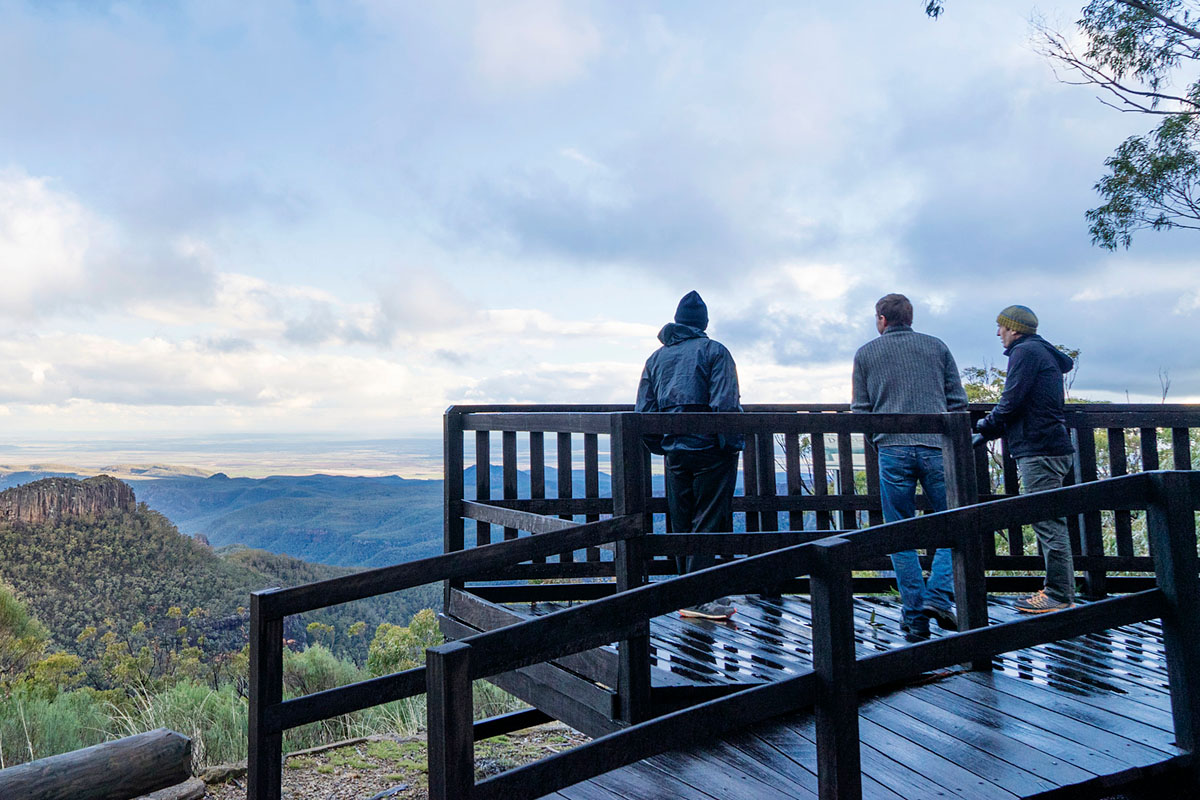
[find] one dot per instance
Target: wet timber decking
(1052, 720)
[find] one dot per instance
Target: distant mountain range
(328, 519)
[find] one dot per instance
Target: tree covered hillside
(127, 568)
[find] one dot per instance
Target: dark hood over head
(692, 311)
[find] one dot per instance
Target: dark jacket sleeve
(956, 395)
(647, 400)
(723, 391)
(1022, 374)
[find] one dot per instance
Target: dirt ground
(394, 769)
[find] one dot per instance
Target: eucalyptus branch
(1146, 8)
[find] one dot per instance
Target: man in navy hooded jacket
(1031, 419)
(692, 372)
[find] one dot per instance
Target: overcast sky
(342, 217)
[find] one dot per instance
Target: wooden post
(1172, 530)
(449, 720)
(452, 492)
(958, 457)
(962, 489)
(265, 762)
(839, 770)
(629, 497)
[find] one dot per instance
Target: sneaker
(713, 610)
(946, 619)
(1039, 603)
(915, 633)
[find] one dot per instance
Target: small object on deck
(946, 619)
(713, 610)
(1039, 603)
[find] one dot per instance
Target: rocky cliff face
(55, 498)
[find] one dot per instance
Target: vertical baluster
(508, 468)
(820, 479)
(591, 481)
(537, 472)
(1149, 442)
(791, 457)
(1012, 487)
(1119, 465)
(767, 481)
(1181, 449)
(874, 515)
(846, 481)
(483, 482)
(566, 477)
(750, 483)
(1091, 534)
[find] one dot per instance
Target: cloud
(56, 256)
(533, 44)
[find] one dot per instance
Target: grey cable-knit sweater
(905, 372)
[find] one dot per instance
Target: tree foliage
(1134, 52)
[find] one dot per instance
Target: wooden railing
(838, 677)
(807, 471)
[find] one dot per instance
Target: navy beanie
(692, 311)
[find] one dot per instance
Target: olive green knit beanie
(1018, 318)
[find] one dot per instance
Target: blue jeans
(900, 468)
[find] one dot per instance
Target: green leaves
(1153, 182)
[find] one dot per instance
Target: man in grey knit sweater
(905, 372)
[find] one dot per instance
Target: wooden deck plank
(642, 782)
(1103, 710)
(795, 739)
(1051, 733)
(1098, 736)
(987, 738)
(773, 759)
(984, 762)
(958, 779)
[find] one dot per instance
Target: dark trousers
(700, 496)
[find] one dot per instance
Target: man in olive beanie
(1030, 417)
(691, 372)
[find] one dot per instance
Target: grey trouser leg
(1040, 474)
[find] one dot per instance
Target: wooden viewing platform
(1087, 713)
(563, 592)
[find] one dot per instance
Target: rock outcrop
(55, 498)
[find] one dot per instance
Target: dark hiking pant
(700, 496)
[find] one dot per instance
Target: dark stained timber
(846, 477)
(483, 482)
(508, 461)
(820, 479)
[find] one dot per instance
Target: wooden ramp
(1054, 720)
